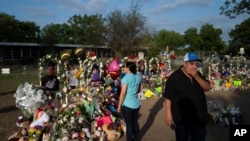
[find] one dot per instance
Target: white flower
(93, 58)
(83, 96)
(60, 121)
(65, 89)
(65, 118)
(101, 65)
(72, 119)
(40, 92)
(48, 56)
(80, 120)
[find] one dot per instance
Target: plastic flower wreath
(230, 115)
(44, 61)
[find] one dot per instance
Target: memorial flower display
(88, 112)
(224, 115)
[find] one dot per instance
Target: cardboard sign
(5, 70)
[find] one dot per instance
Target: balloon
(65, 56)
(114, 74)
(116, 58)
(79, 51)
(114, 66)
(78, 73)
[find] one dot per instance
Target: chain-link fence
(19, 70)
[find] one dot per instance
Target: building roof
(56, 45)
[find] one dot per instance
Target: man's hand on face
(192, 71)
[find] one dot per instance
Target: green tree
(87, 29)
(125, 30)
(193, 39)
(55, 33)
(13, 30)
(76, 27)
(232, 8)
(172, 39)
(240, 37)
(94, 29)
(149, 46)
(29, 32)
(211, 40)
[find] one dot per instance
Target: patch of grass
(10, 83)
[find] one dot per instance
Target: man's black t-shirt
(187, 98)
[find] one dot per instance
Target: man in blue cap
(185, 100)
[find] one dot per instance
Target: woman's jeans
(131, 119)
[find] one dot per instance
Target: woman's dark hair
(132, 67)
(95, 66)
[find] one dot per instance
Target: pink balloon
(114, 66)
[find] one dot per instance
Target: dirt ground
(151, 118)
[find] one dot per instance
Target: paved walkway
(152, 114)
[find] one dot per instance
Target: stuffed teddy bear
(111, 133)
(22, 132)
(41, 119)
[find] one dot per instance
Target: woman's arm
(122, 96)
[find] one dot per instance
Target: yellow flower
(31, 130)
(38, 132)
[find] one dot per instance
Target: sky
(172, 15)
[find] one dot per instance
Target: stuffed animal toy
(111, 133)
(22, 131)
(41, 119)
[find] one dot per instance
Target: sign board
(5, 70)
(141, 55)
(242, 51)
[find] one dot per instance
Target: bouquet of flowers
(29, 97)
(224, 115)
(230, 115)
(35, 133)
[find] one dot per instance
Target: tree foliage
(78, 30)
(13, 30)
(192, 38)
(240, 37)
(232, 8)
(55, 33)
(211, 38)
(171, 39)
(87, 29)
(125, 30)
(207, 39)
(148, 43)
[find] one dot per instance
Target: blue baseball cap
(191, 56)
